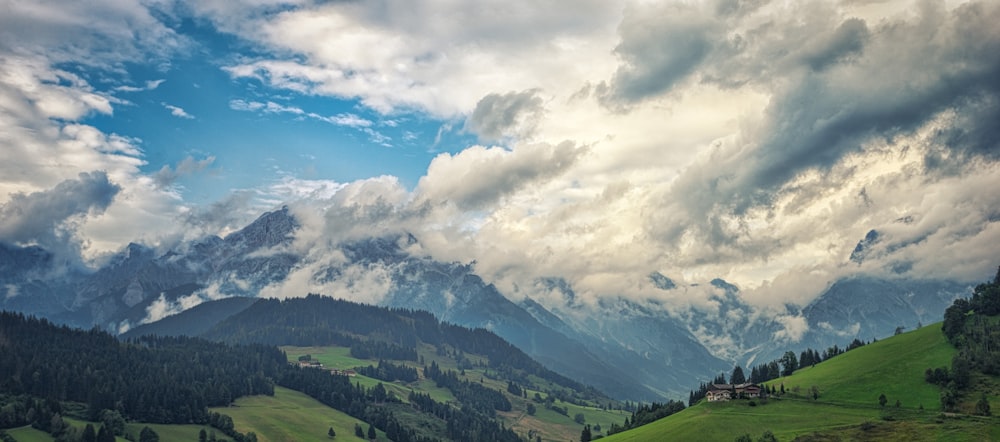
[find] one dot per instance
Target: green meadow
(166, 432)
(847, 407)
(547, 423)
(894, 367)
(290, 416)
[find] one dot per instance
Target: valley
(197, 284)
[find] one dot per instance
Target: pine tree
(148, 435)
(768, 436)
(882, 400)
(371, 432)
(737, 377)
(358, 431)
(331, 433)
(104, 435)
(586, 435)
(89, 434)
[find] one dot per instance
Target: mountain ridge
(664, 347)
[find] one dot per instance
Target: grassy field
(287, 416)
(290, 416)
(548, 424)
(333, 357)
(724, 421)
(166, 432)
(894, 367)
(28, 434)
(847, 407)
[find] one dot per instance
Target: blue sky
(590, 140)
(253, 133)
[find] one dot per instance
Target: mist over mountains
(638, 349)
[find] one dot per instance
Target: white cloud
(43, 104)
(341, 119)
(149, 85)
(177, 112)
(753, 141)
(794, 328)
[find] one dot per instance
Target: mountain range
(626, 348)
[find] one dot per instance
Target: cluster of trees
(973, 327)
(464, 424)
(175, 380)
(48, 416)
(389, 372)
(647, 413)
(783, 366)
(767, 436)
(480, 398)
(161, 380)
(320, 320)
(515, 389)
(985, 301)
(353, 399)
(970, 325)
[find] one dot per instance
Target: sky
(589, 140)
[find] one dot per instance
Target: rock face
(868, 308)
(32, 282)
(628, 348)
(122, 291)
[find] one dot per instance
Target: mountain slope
(318, 320)
(867, 307)
(847, 407)
(631, 348)
(194, 321)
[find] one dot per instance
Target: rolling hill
(847, 407)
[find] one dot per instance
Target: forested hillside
(377, 331)
(48, 369)
(973, 326)
(157, 380)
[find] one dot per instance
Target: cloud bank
(754, 141)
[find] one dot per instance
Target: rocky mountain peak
(269, 230)
(864, 247)
(662, 282)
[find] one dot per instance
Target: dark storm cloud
(658, 49)
(836, 85)
(849, 39)
(39, 217)
(738, 7)
(909, 76)
(497, 116)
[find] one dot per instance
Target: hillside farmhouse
(725, 392)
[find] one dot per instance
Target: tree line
(173, 380)
(320, 320)
(480, 398)
(389, 372)
(783, 366)
(972, 325)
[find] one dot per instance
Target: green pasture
(847, 407)
(290, 416)
(894, 367)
